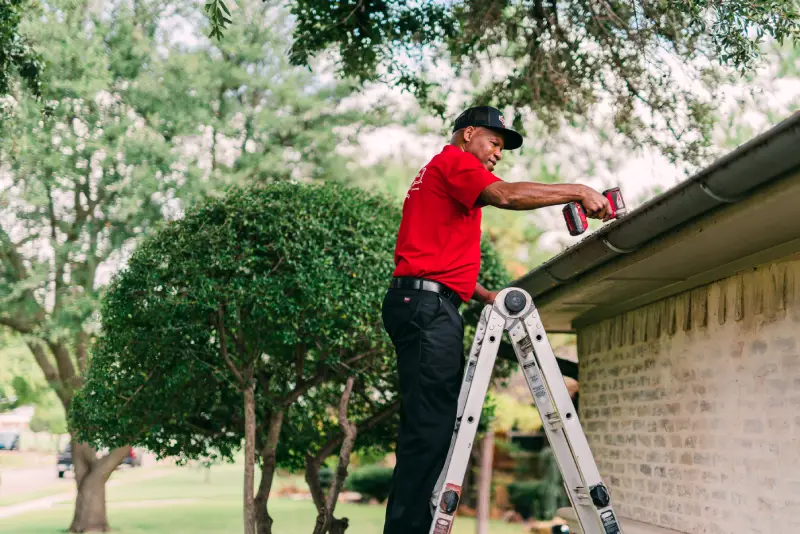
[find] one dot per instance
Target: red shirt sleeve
(467, 179)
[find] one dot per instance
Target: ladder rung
(583, 495)
(554, 420)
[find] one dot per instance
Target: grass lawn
(183, 502)
(22, 460)
(67, 485)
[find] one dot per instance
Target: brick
(778, 386)
(701, 458)
(785, 344)
(682, 424)
(708, 442)
(699, 431)
(754, 426)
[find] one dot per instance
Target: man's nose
(499, 155)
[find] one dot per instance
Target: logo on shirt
(417, 182)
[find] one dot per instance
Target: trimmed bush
(325, 477)
(532, 499)
(372, 481)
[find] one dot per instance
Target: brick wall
(692, 405)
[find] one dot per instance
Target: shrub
(371, 481)
(530, 499)
(325, 477)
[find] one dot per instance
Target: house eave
(732, 215)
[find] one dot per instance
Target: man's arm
(531, 196)
(483, 295)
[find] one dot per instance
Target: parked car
(64, 462)
(133, 459)
(9, 440)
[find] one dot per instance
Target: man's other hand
(490, 297)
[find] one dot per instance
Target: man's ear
(469, 131)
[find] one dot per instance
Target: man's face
(485, 144)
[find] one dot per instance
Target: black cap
(489, 117)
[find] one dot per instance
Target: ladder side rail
(596, 511)
(477, 384)
(568, 465)
(466, 383)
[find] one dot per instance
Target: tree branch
(66, 370)
(17, 325)
(349, 430)
(60, 260)
(269, 461)
(50, 373)
(299, 355)
(9, 251)
(320, 377)
(142, 385)
(110, 461)
(365, 425)
(80, 350)
(223, 346)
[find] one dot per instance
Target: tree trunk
(485, 483)
(325, 507)
(338, 526)
(249, 458)
(268, 464)
(90, 505)
(91, 475)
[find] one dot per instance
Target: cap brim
(512, 140)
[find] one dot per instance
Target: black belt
(422, 284)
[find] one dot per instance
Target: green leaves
(276, 263)
(16, 52)
(633, 65)
(219, 16)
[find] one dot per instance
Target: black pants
(428, 334)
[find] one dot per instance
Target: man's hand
(595, 204)
(483, 295)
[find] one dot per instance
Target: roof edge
(728, 180)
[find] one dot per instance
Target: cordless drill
(575, 215)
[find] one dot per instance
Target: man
(437, 259)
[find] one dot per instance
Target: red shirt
(440, 232)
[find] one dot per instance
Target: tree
(17, 55)
(279, 285)
(255, 117)
(84, 174)
(565, 62)
(265, 290)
